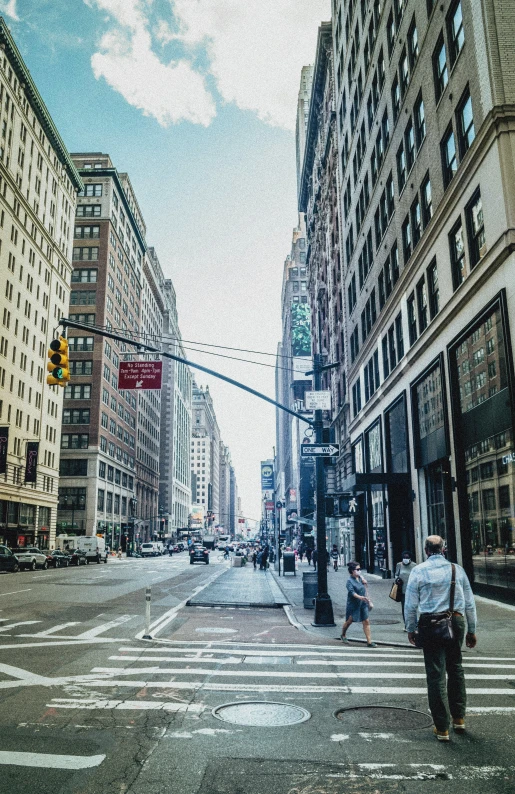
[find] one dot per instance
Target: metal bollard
(148, 599)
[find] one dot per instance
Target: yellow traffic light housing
(58, 363)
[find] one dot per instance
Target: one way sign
(319, 450)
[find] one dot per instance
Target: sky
(196, 100)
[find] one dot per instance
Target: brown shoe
(442, 736)
(458, 725)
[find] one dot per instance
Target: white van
(160, 547)
(94, 547)
(149, 550)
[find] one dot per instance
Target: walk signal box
(58, 364)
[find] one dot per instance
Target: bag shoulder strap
(453, 587)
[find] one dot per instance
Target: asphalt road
(89, 707)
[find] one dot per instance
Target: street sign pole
(323, 605)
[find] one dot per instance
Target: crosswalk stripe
(53, 630)
(279, 650)
(299, 688)
(49, 760)
(338, 662)
(229, 660)
(276, 674)
(19, 623)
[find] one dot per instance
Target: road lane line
(230, 660)
(15, 592)
(49, 760)
(47, 632)
(86, 635)
(20, 623)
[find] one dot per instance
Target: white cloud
(170, 92)
(254, 51)
(8, 7)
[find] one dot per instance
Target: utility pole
(323, 605)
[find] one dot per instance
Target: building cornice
(7, 43)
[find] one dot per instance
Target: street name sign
(317, 400)
(140, 374)
(319, 450)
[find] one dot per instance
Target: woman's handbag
(435, 628)
(396, 592)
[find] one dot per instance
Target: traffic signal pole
(323, 605)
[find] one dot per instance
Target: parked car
(181, 546)
(31, 557)
(8, 560)
(79, 557)
(58, 559)
(198, 553)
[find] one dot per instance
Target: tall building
(148, 437)
(318, 198)
(224, 478)
(235, 505)
(175, 489)
(306, 80)
(38, 190)
(98, 442)
(294, 476)
(205, 454)
(424, 98)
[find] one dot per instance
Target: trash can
(289, 563)
(310, 588)
(236, 562)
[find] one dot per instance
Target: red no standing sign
(140, 374)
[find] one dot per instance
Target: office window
(412, 320)
(354, 344)
(406, 239)
(455, 32)
(381, 290)
(85, 319)
(449, 158)
(440, 72)
(77, 391)
(390, 33)
(427, 201)
(475, 229)
(404, 72)
(88, 210)
(394, 263)
(371, 376)
(409, 143)
(71, 467)
(396, 98)
(100, 500)
(434, 293)
(84, 276)
(86, 232)
(81, 367)
(84, 254)
(82, 297)
(401, 166)
(81, 343)
(91, 190)
(74, 441)
(422, 305)
(412, 44)
(76, 416)
(420, 121)
(416, 222)
(399, 337)
(465, 123)
(356, 397)
(457, 251)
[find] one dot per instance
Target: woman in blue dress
(358, 604)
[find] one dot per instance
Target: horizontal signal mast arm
(144, 348)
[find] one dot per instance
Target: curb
(235, 604)
(294, 622)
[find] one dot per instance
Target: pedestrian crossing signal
(58, 364)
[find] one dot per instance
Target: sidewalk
(496, 622)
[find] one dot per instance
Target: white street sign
(319, 450)
(317, 400)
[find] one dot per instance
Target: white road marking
(277, 674)
(51, 631)
(105, 627)
(230, 660)
(124, 705)
(19, 623)
(50, 761)
(65, 641)
(201, 647)
(326, 663)
(15, 592)
(372, 737)
(236, 687)
(491, 709)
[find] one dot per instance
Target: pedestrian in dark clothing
(308, 555)
(314, 557)
(402, 574)
(264, 559)
(429, 592)
(301, 553)
(358, 603)
(254, 558)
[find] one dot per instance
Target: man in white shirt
(428, 591)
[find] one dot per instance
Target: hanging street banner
(4, 443)
(31, 463)
(320, 450)
(140, 374)
(317, 401)
(267, 476)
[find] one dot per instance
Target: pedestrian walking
(442, 594)
(335, 556)
(264, 559)
(314, 557)
(358, 604)
(119, 552)
(301, 553)
(402, 574)
(308, 555)
(254, 558)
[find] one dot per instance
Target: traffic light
(58, 363)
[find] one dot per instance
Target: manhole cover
(261, 713)
(378, 717)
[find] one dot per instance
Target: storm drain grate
(260, 713)
(377, 718)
